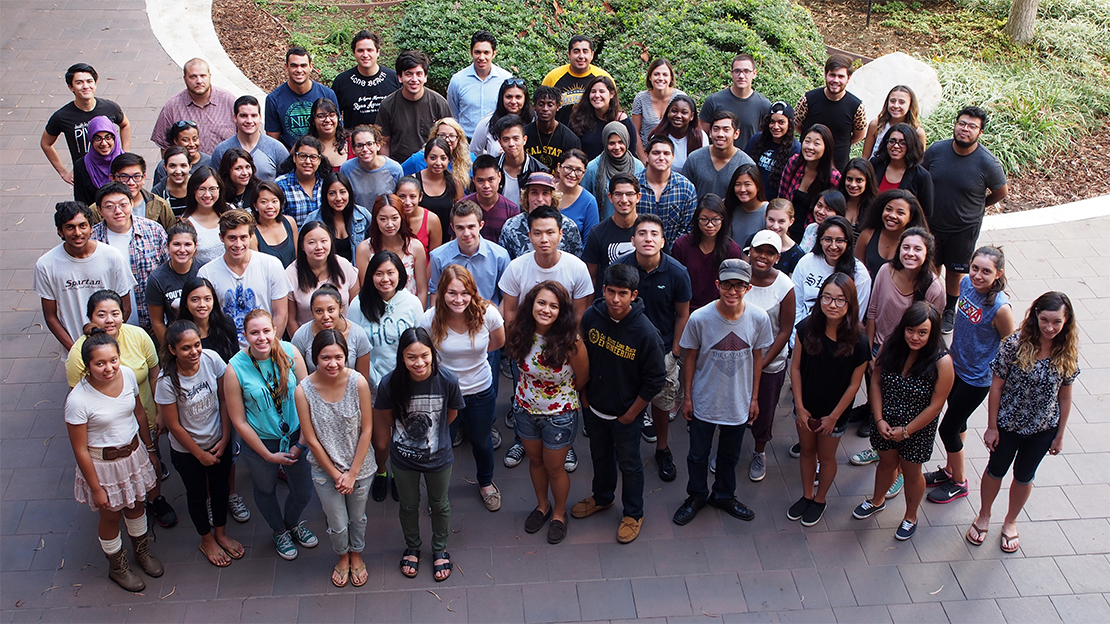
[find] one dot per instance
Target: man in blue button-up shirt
(485, 260)
(472, 93)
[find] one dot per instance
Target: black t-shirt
(607, 242)
(547, 148)
(360, 97)
(960, 185)
(421, 439)
(74, 124)
(841, 116)
(163, 288)
(825, 376)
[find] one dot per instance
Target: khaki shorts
(670, 397)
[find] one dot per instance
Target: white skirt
(126, 480)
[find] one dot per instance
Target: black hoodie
(626, 358)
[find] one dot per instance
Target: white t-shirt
(198, 410)
(466, 357)
(261, 283)
(110, 420)
(523, 274)
(122, 244)
(70, 281)
(769, 298)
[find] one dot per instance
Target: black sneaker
(667, 470)
(796, 450)
(864, 430)
(937, 477)
(948, 323)
(905, 530)
(813, 514)
(947, 492)
(162, 511)
(866, 510)
(379, 487)
(648, 432)
(798, 509)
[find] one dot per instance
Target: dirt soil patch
(256, 40)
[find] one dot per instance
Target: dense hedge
(699, 37)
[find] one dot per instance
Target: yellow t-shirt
(570, 87)
(136, 351)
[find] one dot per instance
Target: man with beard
(834, 107)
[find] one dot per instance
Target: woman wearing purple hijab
(95, 168)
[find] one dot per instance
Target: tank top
(975, 341)
(872, 258)
(285, 251)
(422, 233)
(543, 389)
(337, 426)
(343, 249)
(879, 134)
(440, 205)
(263, 415)
(769, 299)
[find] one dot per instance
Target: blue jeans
(478, 417)
(346, 513)
(728, 455)
(265, 477)
(614, 445)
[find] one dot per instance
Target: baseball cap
(541, 179)
(766, 237)
(734, 269)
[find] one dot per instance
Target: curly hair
(475, 314)
(1065, 346)
(339, 142)
(559, 341)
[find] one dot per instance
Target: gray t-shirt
(749, 111)
(358, 344)
(722, 388)
(198, 407)
(744, 224)
(960, 185)
(369, 185)
(706, 178)
(267, 155)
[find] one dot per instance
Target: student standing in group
(900, 107)
(626, 372)
(830, 202)
(439, 190)
(512, 99)
(202, 102)
(496, 208)
(831, 255)
(548, 139)
(237, 173)
(163, 287)
(302, 178)
(575, 202)
(724, 345)
(106, 422)
(458, 149)
(612, 237)
(266, 151)
(173, 188)
(190, 397)
(485, 260)
(650, 106)
(833, 107)
(336, 418)
(897, 163)
(773, 145)
(421, 398)
(93, 170)
(600, 106)
(259, 386)
(544, 342)
(515, 164)
(473, 90)
(328, 312)
(275, 233)
(779, 217)
(185, 133)
(389, 231)
(680, 125)
(204, 204)
(570, 79)
(859, 187)
(740, 99)
(539, 190)
(360, 90)
(372, 173)
(825, 374)
(1028, 408)
(809, 173)
(288, 106)
(326, 127)
(614, 160)
(72, 120)
(745, 203)
(710, 168)
(317, 264)
(983, 318)
(704, 248)
(407, 114)
(892, 213)
(348, 222)
(670, 196)
(424, 223)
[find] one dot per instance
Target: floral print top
(544, 389)
(1030, 398)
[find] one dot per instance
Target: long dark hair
(449, 179)
(926, 275)
(825, 165)
(782, 151)
(874, 218)
(369, 299)
(327, 213)
(230, 157)
(526, 113)
(270, 186)
(712, 203)
(198, 177)
(583, 119)
(848, 333)
(915, 151)
(306, 277)
(846, 263)
(732, 202)
(558, 343)
(895, 351)
(870, 189)
(693, 136)
(322, 168)
(341, 134)
(377, 239)
(221, 332)
(100, 297)
(174, 332)
(400, 382)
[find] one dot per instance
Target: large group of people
(329, 288)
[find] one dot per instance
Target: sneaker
(648, 432)
(162, 511)
(457, 440)
(515, 456)
(937, 477)
(379, 487)
(758, 469)
(165, 473)
(896, 487)
(866, 510)
(948, 491)
(303, 536)
(667, 470)
(495, 435)
(813, 513)
(798, 509)
(286, 548)
(905, 530)
(570, 464)
(510, 420)
(713, 464)
(864, 457)
(237, 508)
(947, 324)
(208, 506)
(796, 450)
(506, 368)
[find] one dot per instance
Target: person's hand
(345, 484)
(627, 418)
(99, 498)
(828, 423)
(990, 438)
(753, 411)
(885, 430)
(67, 177)
(158, 428)
(284, 459)
(208, 459)
(218, 450)
(1057, 444)
(802, 414)
(687, 408)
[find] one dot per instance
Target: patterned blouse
(543, 389)
(1030, 398)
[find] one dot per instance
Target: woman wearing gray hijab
(617, 157)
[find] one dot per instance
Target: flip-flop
(235, 553)
(359, 573)
(1011, 541)
(213, 561)
(980, 535)
(344, 574)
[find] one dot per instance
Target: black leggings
(963, 399)
(1025, 452)
(201, 483)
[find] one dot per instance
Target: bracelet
(301, 446)
(153, 448)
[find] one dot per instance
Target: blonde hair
(282, 361)
(784, 205)
(1065, 346)
(475, 313)
(460, 156)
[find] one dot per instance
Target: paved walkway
(715, 569)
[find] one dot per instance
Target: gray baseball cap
(734, 269)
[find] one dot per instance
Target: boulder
(873, 81)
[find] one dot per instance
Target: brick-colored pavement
(715, 569)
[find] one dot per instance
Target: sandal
(359, 575)
(340, 575)
(1010, 543)
(410, 564)
(235, 552)
(975, 535)
(214, 557)
(441, 567)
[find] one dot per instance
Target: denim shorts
(556, 430)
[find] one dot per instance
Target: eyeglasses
(967, 124)
(307, 157)
(710, 221)
(361, 146)
(731, 285)
(106, 138)
(896, 142)
(184, 123)
(323, 116)
(447, 137)
(515, 82)
(125, 178)
(836, 302)
(208, 190)
(574, 171)
(624, 194)
(109, 207)
(828, 240)
(743, 72)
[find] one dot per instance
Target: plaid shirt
(675, 206)
(299, 204)
(792, 176)
(146, 252)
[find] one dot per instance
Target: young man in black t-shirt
(612, 238)
(362, 88)
(72, 120)
(547, 138)
(834, 107)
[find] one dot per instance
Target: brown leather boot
(148, 562)
(121, 573)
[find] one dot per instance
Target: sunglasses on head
(516, 82)
(184, 123)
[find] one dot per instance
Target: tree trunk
(1023, 15)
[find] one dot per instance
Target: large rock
(873, 81)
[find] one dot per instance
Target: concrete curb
(1076, 211)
